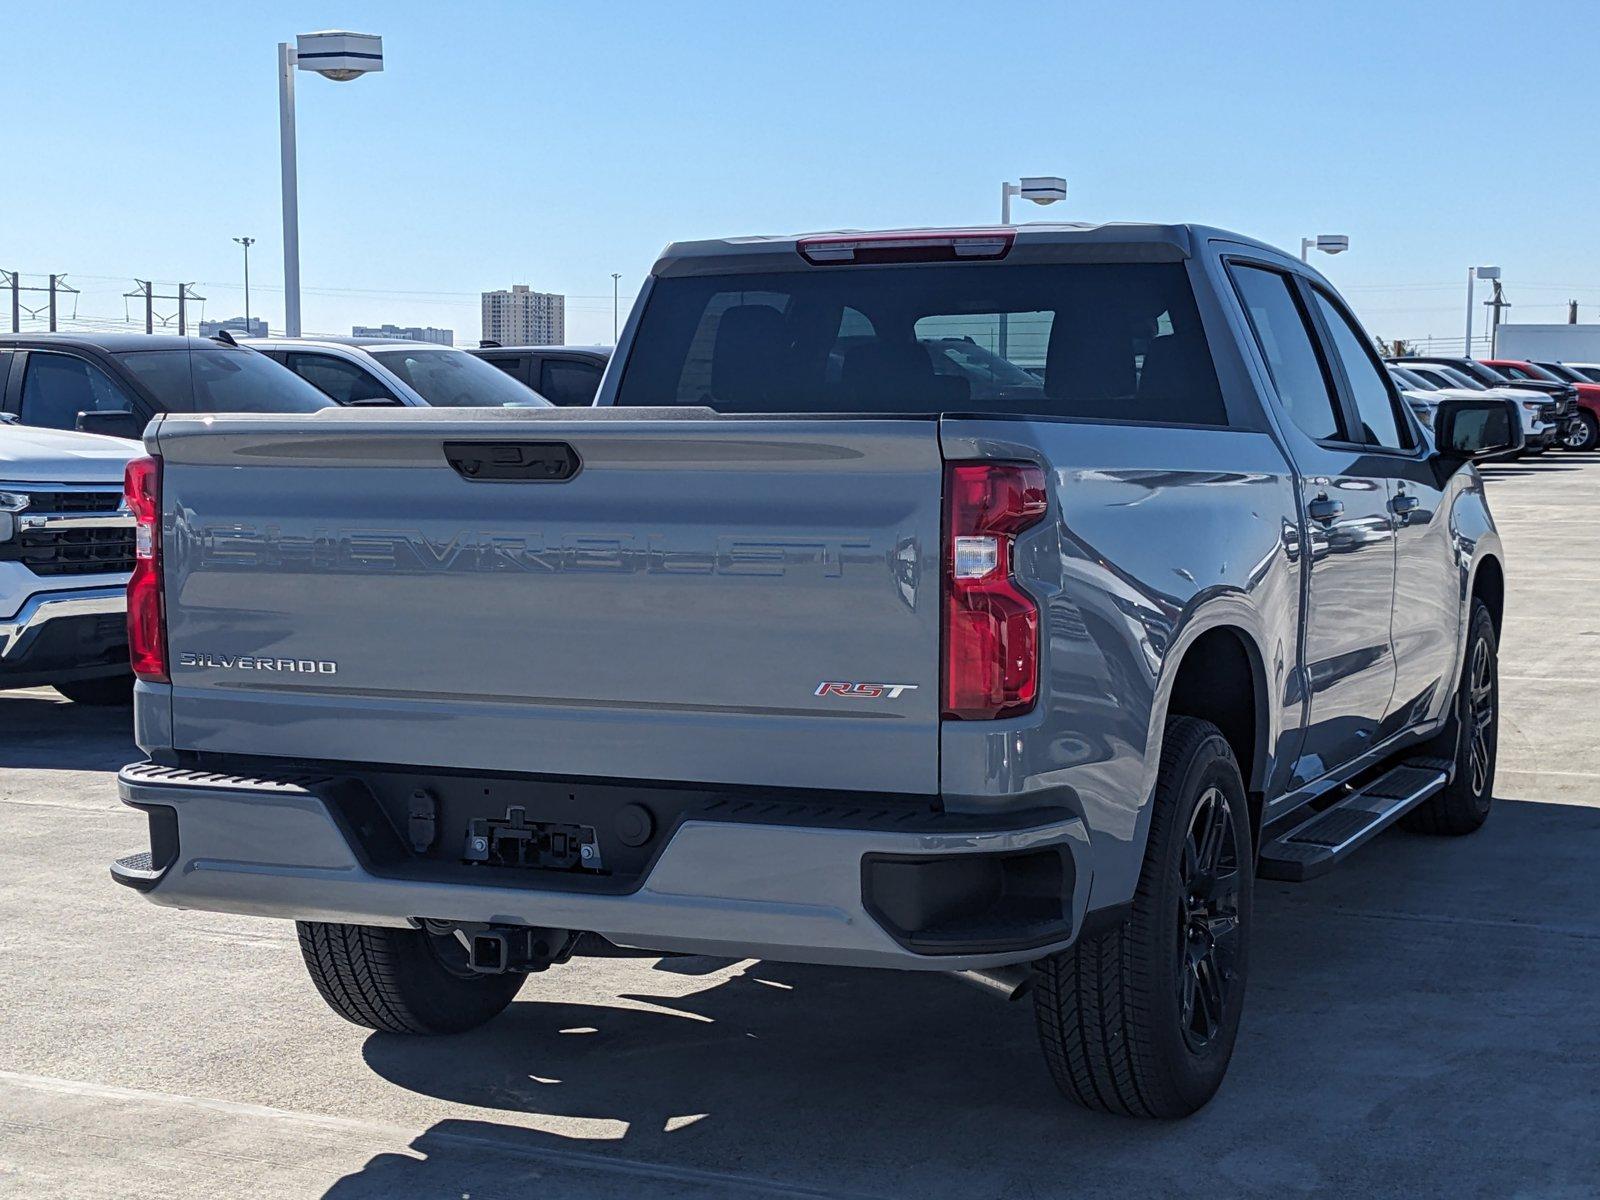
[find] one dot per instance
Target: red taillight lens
(991, 626)
(147, 627)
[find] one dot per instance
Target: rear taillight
(147, 627)
(991, 626)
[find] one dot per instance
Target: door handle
(512, 462)
(1403, 505)
(1324, 510)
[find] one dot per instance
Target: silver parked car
(383, 372)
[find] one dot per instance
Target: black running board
(1319, 844)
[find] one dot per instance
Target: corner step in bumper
(1318, 845)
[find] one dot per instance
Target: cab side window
(1285, 339)
(567, 381)
(57, 387)
(344, 382)
(1381, 424)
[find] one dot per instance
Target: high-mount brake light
(991, 626)
(956, 245)
(147, 625)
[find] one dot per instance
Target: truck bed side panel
(1157, 534)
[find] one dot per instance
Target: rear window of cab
(1110, 341)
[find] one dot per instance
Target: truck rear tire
(101, 693)
(1464, 804)
(401, 980)
(1141, 1020)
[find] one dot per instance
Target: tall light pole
(1041, 189)
(1328, 243)
(1476, 273)
(333, 54)
(615, 276)
(246, 242)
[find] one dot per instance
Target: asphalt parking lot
(1423, 1022)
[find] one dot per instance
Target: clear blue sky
(553, 144)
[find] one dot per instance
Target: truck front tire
(401, 980)
(1141, 1020)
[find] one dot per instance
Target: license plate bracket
(514, 841)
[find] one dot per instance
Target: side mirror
(1474, 430)
(111, 423)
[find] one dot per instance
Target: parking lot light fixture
(334, 54)
(1328, 243)
(1041, 189)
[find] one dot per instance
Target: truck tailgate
(337, 589)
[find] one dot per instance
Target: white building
(406, 333)
(522, 317)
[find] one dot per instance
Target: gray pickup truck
(823, 639)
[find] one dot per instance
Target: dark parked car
(115, 383)
(564, 375)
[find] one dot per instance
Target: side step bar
(1319, 844)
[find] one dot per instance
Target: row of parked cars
(1558, 404)
(73, 406)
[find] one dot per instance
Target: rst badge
(865, 691)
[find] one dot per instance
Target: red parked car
(1583, 431)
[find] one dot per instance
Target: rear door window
(221, 380)
(1113, 341)
(568, 381)
(57, 387)
(515, 365)
(342, 381)
(1304, 389)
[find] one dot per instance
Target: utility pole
(1498, 302)
(615, 276)
(246, 242)
(184, 296)
(58, 285)
(1572, 312)
(143, 289)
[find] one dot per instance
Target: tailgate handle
(513, 462)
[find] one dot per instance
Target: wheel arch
(1489, 585)
(1217, 672)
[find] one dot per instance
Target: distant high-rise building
(522, 317)
(255, 328)
(407, 333)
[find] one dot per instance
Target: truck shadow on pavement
(1420, 1021)
(40, 730)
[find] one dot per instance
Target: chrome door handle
(1325, 510)
(1402, 505)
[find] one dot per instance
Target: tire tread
(1094, 1001)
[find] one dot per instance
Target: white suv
(66, 548)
